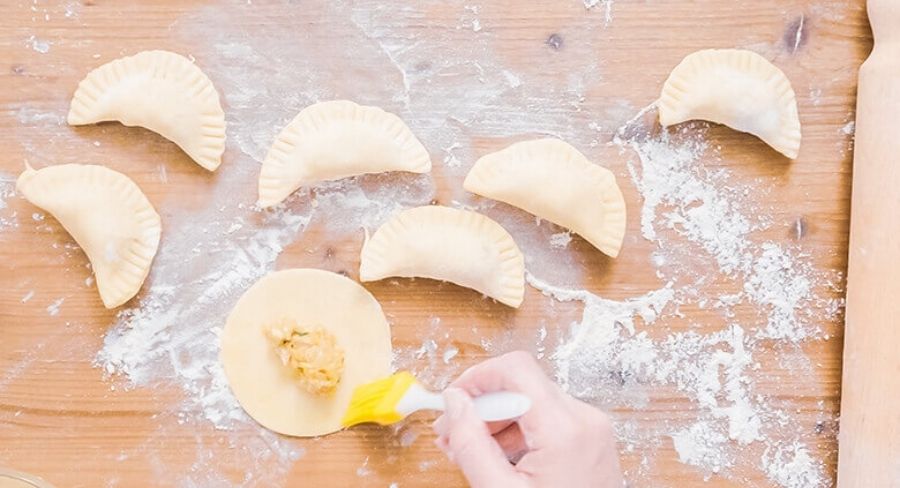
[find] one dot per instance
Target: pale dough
(447, 244)
(265, 388)
(107, 215)
(161, 91)
(553, 180)
(336, 139)
(738, 88)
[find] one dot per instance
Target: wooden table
(435, 64)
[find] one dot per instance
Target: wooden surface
(870, 427)
(61, 419)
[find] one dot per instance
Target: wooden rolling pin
(869, 443)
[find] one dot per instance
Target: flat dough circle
(265, 388)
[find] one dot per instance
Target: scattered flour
(702, 445)
(849, 128)
(72, 9)
(209, 257)
(560, 240)
(449, 353)
(621, 352)
(607, 6)
(38, 45)
(781, 283)
(432, 360)
(701, 206)
(35, 117)
(7, 189)
(792, 466)
(364, 469)
(450, 158)
(53, 308)
(454, 91)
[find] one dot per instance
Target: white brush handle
(490, 407)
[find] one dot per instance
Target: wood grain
(59, 417)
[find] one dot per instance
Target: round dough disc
(267, 389)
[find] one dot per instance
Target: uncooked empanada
(109, 217)
(161, 91)
(447, 244)
(554, 181)
(334, 140)
(738, 88)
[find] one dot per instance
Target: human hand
(560, 441)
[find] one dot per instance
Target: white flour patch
(792, 466)
(781, 283)
(815, 94)
(560, 240)
(607, 8)
(470, 20)
(704, 446)
(72, 10)
(366, 202)
(35, 117)
(449, 353)
(431, 361)
(610, 335)
(681, 195)
(450, 159)
(683, 198)
(7, 190)
(53, 308)
(38, 45)
(620, 352)
(849, 128)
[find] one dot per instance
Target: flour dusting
(208, 258)
(457, 91)
(621, 352)
(791, 465)
(560, 240)
(607, 8)
(7, 190)
(38, 45)
(849, 128)
(53, 308)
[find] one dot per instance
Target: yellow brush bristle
(377, 401)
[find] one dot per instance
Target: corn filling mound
(312, 354)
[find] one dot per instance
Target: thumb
(469, 444)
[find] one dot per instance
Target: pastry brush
(392, 399)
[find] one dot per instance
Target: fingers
(515, 371)
(520, 372)
(506, 434)
(512, 442)
(494, 427)
(467, 442)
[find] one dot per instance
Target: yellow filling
(311, 353)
